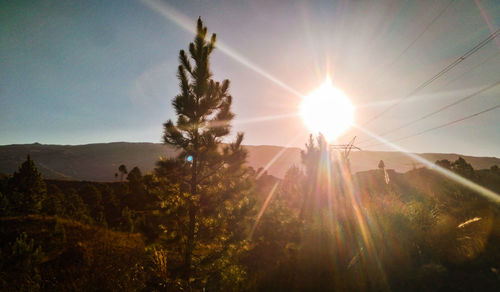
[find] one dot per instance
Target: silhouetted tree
(136, 198)
(123, 171)
(27, 189)
(319, 178)
(444, 163)
(381, 164)
(213, 182)
(135, 175)
(461, 167)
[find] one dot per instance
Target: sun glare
(327, 110)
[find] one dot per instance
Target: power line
(419, 35)
(439, 74)
(437, 111)
(493, 56)
(440, 126)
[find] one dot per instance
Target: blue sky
(77, 72)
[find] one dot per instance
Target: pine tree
(213, 182)
(23, 262)
(27, 189)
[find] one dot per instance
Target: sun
(327, 110)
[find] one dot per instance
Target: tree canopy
(212, 181)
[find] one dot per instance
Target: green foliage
(460, 166)
(131, 222)
(58, 239)
(422, 231)
(75, 256)
(76, 207)
(27, 190)
(320, 229)
(207, 209)
(54, 203)
(23, 264)
(272, 257)
(110, 204)
(445, 163)
(93, 199)
(137, 197)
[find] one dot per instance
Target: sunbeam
(487, 19)
(253, 120)
(264, 207)
(184, 22)
(494, 197)
(278, 155)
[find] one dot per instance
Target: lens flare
(327, 110)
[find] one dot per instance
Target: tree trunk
(192, 215)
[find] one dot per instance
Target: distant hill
(99, 162)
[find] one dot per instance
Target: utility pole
(347, 148)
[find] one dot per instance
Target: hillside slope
(99, 162)
(75, 256)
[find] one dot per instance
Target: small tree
(136, 198)
(461, 167)
(381, 165)
(123, 171)
(23, 262)
(211, 198)
(135, 175)
(27, 189)
(444, 163)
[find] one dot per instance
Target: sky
(79, 72)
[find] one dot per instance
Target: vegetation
(209, 186)
(422, 231)
(204, 220)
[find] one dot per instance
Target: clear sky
(77, 72)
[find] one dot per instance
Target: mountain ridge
(100, 161)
